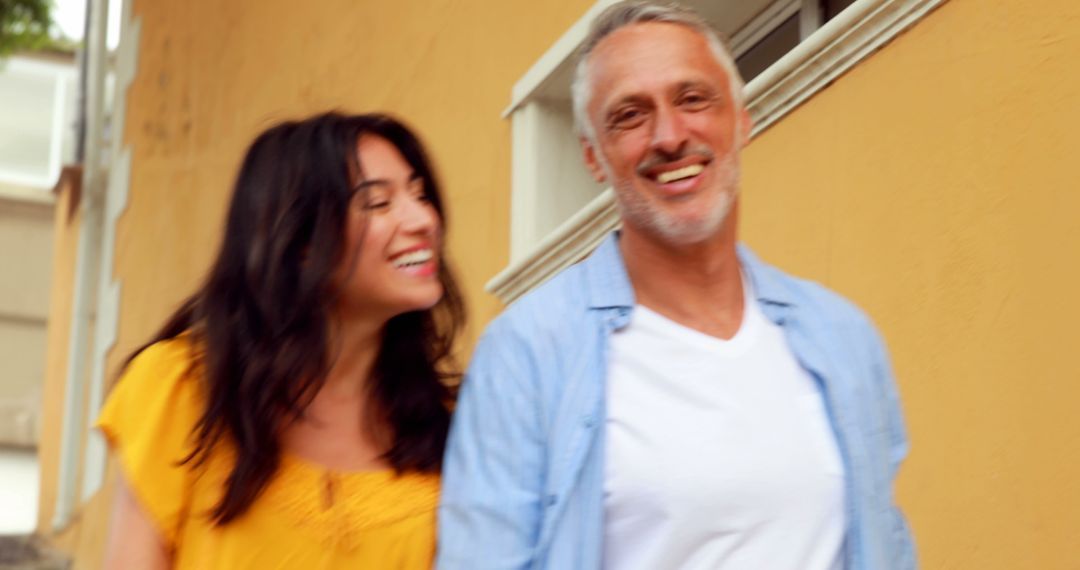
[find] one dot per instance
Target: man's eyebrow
(689, 84)
(625, 99)
(612, 109)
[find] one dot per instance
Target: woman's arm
(134, 542)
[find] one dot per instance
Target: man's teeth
(684, 172)
(417, 257)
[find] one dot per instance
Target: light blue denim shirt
(524, 471)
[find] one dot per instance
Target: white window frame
(824, 55)
(63, 75)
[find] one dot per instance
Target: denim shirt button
(552, 499)
(588, 422)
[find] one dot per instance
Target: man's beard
(638, 211)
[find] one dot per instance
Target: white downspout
(87, 266)
(108, 290)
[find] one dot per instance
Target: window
(771, 48)
(777, 30)
(37, 106)
(834, 7)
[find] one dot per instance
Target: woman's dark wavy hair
(261, 321)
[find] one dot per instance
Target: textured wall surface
(936, 185)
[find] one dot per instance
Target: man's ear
(592, 162)
(745, 126)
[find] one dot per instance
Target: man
(672, 402)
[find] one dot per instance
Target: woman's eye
(417, 191)
(376, 204)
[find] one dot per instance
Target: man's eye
(695, 101)
(627, 118)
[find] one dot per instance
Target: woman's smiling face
(393, 237)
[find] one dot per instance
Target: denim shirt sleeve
(490, 511)
(898, 441)
(898, 450)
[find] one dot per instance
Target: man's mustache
(660, 158)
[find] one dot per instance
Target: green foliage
(24, 25)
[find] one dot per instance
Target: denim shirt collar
(609, 283)
(605, 272)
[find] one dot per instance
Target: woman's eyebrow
(365, 184)
(383, 181)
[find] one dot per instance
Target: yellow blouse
(308, 516)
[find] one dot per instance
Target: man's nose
(669, 133)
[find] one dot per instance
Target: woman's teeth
(679, 174)
(418, 257)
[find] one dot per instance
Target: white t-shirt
(720, 454)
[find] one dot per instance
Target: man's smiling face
(667, 131)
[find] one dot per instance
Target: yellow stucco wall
(936, 185)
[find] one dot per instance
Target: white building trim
(839, 45)
(566, 245)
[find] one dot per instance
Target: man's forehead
(650, 56)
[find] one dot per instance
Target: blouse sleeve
(148, 420)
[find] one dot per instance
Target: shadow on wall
(28, 553)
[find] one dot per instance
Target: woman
(293, 412)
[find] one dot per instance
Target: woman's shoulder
(160, 379)
(166, 365)
(148, 421)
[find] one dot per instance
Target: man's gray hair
(632, 12)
